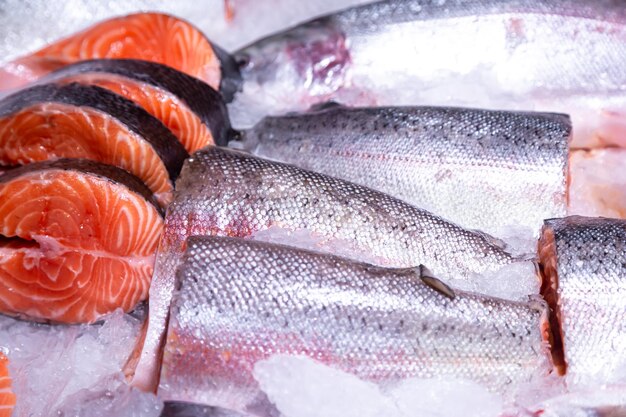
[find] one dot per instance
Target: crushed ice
(301, 387)
(50, 364)
(515, 281)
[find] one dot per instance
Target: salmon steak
(75, 121)
(78, 240)
(152, 37)
(7, 397)
(191, 109)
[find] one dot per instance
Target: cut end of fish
(549, 291)
(152, 37)
(78, 241)
(7, 397)
(81, 121)
(585, 263)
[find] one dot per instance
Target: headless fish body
(585, 267)
(484, 170)
(241, 301)
(229, 193)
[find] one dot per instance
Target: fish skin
(481, 169)
(584, 263)
(206, 103)
(235, 194)
(509, 55)
(185, 409)
(229, 193)
(241, 301)
(156, 143)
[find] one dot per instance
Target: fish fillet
(7, 397)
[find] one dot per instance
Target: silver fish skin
(485, 170)
(241, 301)
(584, 263)
(229, 193)
(507, 55)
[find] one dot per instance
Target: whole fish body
(585, 268)
(242, 301)
(485, 170)
(229, 193)
(523, 55)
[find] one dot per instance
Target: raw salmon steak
(77, 240)
(152, 37)
(76, 121)
(191, 109)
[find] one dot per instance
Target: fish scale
(585, 268)
(240, 301)
(229, 193)
(485, 170)
(245, 194)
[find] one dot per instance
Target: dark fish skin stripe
(231, 82)
(184, 409)
(139, 121)
(109, 172)
(203, 100)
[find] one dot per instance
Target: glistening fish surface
(241, 301)
(485, 170)
(229, 193)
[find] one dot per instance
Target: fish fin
(436, 284)
(324, 106)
